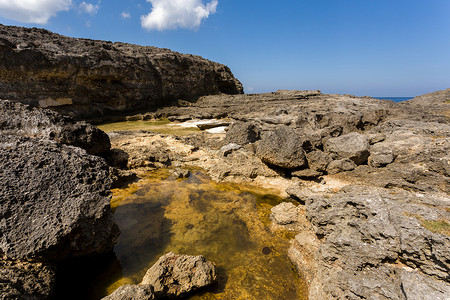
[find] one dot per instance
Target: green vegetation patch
(436, 226)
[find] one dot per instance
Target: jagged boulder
(87, 79)
(171, 276)
(354, 146)
(242, 133)
(22, 120)
(175, 275)
(281, 147)
(54, 201)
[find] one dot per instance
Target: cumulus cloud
(32, 11)
(88, 8)
(125, 15)
(173, 14)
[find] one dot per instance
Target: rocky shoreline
(371, 177)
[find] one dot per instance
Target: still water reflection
(227, 223)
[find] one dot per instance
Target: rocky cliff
(87, 78)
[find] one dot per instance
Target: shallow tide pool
(227, 223)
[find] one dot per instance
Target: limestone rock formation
(171, 276)
(374, 184)
(369, 237)
(21, 120)
(175, 275)
(54, 201)
(353, 146)
(242, 133)
(340, 165)
(132, 292)
(281, 147)
(86, 78)
(25, 280)
(284, 213)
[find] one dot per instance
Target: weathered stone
(212, 124)
(354, 146)
(180, 173)
(242, 133)
(22, 120)
(379, 160)
(25, 280)
(307, 173)
(87, 78)
(132, 292)
(281, 147)
(54, 201)
(318, 160)
(340, 165)
(364, 231)
(376, 138)
(284, 213)
(229, 148)
(116, 158)
(294, 191)
(417, 286)
(174, 275)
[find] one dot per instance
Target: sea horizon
(395, 99)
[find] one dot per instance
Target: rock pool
(227, 223)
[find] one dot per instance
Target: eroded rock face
(175, 275)
(25, 280)
(281, 147)
(353, 146)
(87, 78)
(369, 235)
(22, 120)
(284, 213)
(54, 201)
(171, 276)
(242, 133)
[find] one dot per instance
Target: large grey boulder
(354, 146)
(175, 275)
(281, 147)
(22, 120)
(54, 201)
(242, 133)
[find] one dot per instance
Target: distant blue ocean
(395, 99)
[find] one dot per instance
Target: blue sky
(360, 47)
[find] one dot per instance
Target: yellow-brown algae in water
(226, 223)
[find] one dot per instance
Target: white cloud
(173, 14)
(89, 8)
(32, 11)
(125, 15)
